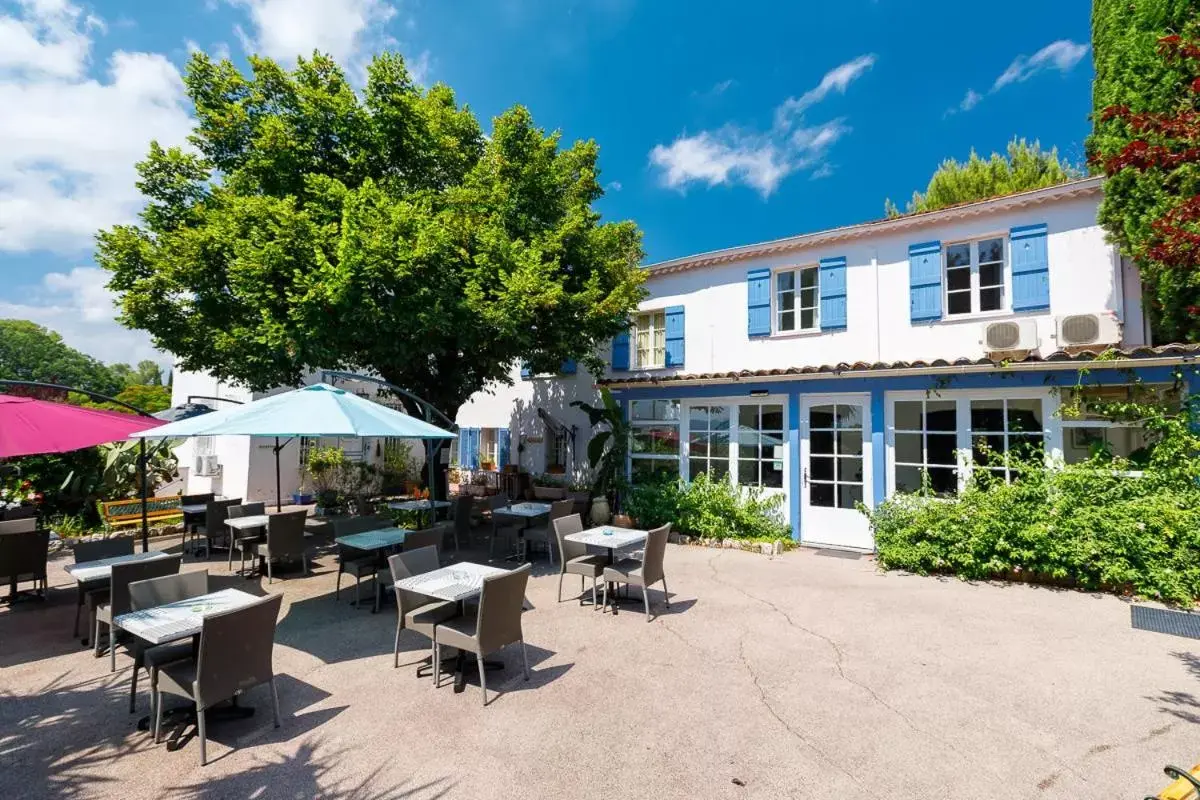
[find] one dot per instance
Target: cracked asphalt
(805, 676)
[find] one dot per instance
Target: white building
(866, 356)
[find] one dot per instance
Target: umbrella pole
(278, 490)
(429, 460)
(142, 472)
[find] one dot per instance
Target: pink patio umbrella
(33, 427)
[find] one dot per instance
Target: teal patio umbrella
(316, 410)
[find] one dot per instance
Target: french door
(835, 460)
(743, 441)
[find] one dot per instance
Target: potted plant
(454, 478)
(548, 487)
(324, 468)
(607, 453)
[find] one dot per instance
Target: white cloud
(49, 38)
(345, 29)
(69, 142)
(614, 186)
(760, 160)
(79, 307)
(1062, 55)
(970, 100)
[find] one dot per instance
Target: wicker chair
(151, 593)
(574, 559)
(119, 602)
(285, 540)
(23, 557)
(644, 573)
(95, 595)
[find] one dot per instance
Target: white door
(835, 461)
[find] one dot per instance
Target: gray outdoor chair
(118, 601)
(23, 525)
(94, 551)
(234, 655)
(416, 612)
(23, 558)
(358, 563)
(496, 624)
(244, 541)
(545, 534)
(192, 522)
(425, 537)
(216, 532)
(574, 559)
(464, 506)
(644, 573)
(152, 593)
(285, 541)
(502, 525)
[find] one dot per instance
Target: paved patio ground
(806, 676)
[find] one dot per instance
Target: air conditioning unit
(207, 466)
(1010, 335)
(1084, 330)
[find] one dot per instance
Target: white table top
(242, 523)
(194, 508)
(455, 582)
(418, 505)
(374, 540)
(605, 536)
(182, 619)
(101, 569)
(523, 509)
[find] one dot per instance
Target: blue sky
(715, 128)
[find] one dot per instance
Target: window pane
(941, 415)
(991, 274)
(941, 448)
(850, 470)
(808, 298)
(958, 255)
(787, 301)
(718, 445)
(908, 479)
(908, 416)
(959, 303)
(958, 279)
(991, 250)
(772, 418)
(1025, 415)
(787, 321)
(808, 279)
(719, 467)
(696, 467)
(698, 445)
(849, 496)
(645, 470)
(850, 443)
(660, 439)
(820, 417)
(991, 299)
(908, 448)
(785, 281)
(719, 419)
(820, 468)
(943, 481)
(987, 449)
(748, 417)
(849, 416)
(698, 418)
(821, 494)
(821, 442)
(747, 472)
(808, 319)
(1025, 446)
(987, 415)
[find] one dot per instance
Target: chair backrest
(235, 650)
(652, 556)
(132, 571)
(285, 533)
(19, 525)
(154, 592)
(464, 504)
(563, 526)
(346, 527)
(24, 553)
(561, 508)
(197, 499)
(498, 501)
(105, 548)
(500, 605)
(426, 537)
(217, 513)
(413, 562)
(247, 510)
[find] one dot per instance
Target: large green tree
(313, 226)
(1146, 139)
(29, 352)
(1026, 166)
(146, 373)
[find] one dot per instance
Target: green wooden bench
(119, 513)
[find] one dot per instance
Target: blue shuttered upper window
(925, 281)
(468, 448)
(502, 447)
(832, 285)
(758, 302)
(620, 350)
(1030, 268)
(674, 337)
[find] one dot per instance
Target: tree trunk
(440, 490)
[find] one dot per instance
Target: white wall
(1085, 277)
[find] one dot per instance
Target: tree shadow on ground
(1182, 705)
(511, 678)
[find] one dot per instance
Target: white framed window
(1005, 429)
(1089, 431)
(797, 303)
(559, 453)
(204, 447)
(650, 340)
(489, 445)
(654, 440)
(975, 276)
(926, 445)
(760, 451)
(708, 440)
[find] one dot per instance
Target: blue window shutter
(464, 446)
(473, 448)
(674, 336)
(832, 284)
(502, 439)
(925, 281)
(1030, 268)
(620, 351)
(526, 373)
(568, 367)
(758, 302)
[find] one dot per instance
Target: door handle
(805, 476)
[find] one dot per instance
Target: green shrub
(1089, 525)
(710, 508)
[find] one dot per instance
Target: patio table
(421, 507)
(528, 512)
(455, 583)
(100, 570)
(184, 619)
(244, 523)
(612, 539)
(380, 539)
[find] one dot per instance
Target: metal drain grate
(1160, 620)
